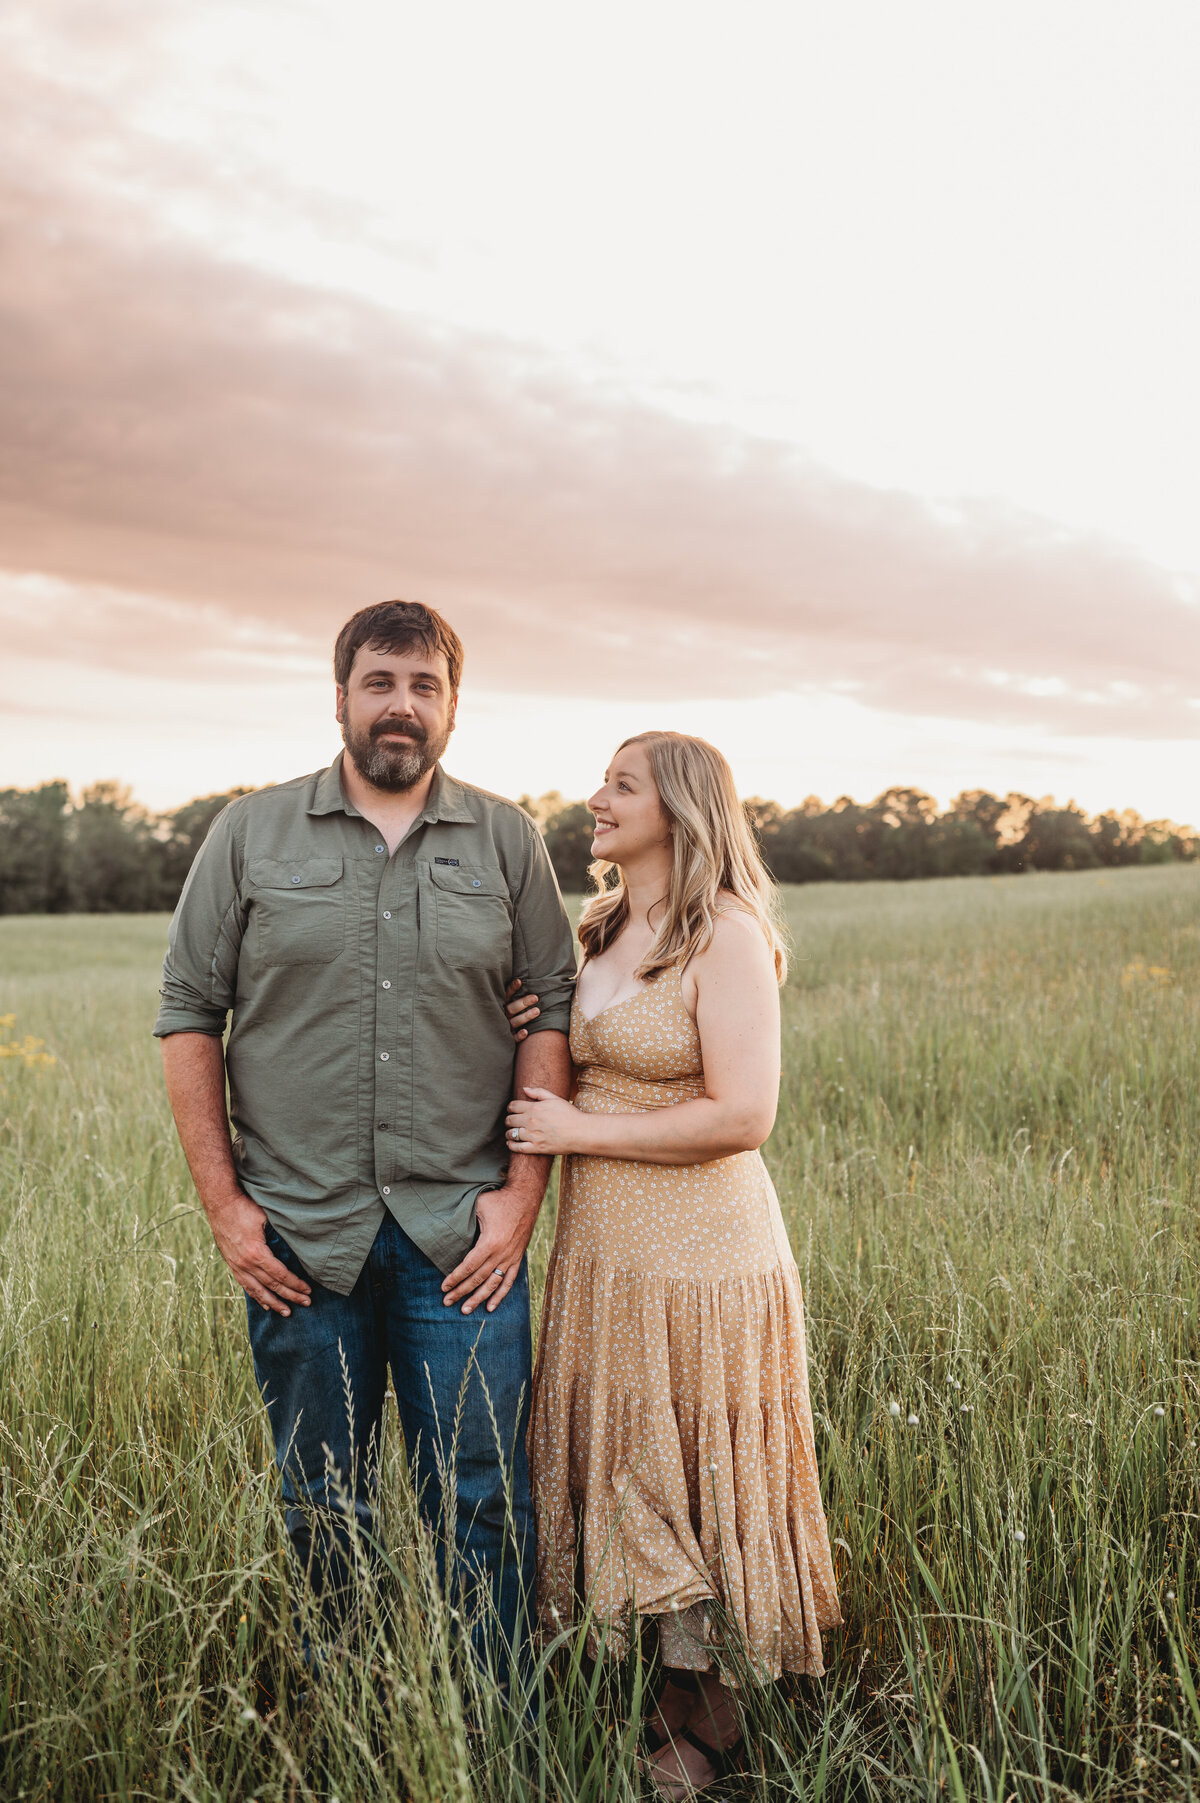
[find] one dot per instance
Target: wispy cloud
(210, 449)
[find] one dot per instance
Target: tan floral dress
(671, 1439)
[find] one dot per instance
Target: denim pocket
(278, 1246)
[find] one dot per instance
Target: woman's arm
(737, 1017)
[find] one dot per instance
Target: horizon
(943, 803)
(843, 408)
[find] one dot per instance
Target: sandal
(722, 1760)
(657, 1738)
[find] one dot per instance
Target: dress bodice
(640, 1053)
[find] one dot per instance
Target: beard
(387, 764)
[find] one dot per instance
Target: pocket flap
(469, 879)
(294, 873)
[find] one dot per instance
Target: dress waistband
(632, 1093)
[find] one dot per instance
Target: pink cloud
(244, 449)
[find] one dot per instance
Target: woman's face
(630, 818)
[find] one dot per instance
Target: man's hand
(239, 1228)
(506, 1221)
(507, 1216)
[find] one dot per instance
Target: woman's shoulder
(731, 916)
(727, 903)
(737, 943)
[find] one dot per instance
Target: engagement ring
(516, 1133)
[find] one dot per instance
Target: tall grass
(986, 1156)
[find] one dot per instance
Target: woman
(671, 1442)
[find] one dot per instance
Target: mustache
(411, 730)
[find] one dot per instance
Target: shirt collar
(328, 796)
(447, 796)
(448, 800)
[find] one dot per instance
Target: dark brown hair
(398, 627)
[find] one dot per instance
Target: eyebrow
(418, 675)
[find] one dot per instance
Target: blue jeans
(323, 1372)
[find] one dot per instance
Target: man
(360, 926)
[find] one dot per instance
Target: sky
(823, 380)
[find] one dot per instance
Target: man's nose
(400, 704)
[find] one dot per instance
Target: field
(986, 1159)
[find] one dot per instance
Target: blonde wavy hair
(715, 854)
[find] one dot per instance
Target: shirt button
(475, 884)
(387, 1189)
(385, 984)
(383, 1126)
(379, 848)
(295, 879)
(385, 1056)
(387, 914)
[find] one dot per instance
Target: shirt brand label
(453, 861)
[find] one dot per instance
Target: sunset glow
(821, 380)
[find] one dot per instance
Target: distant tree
(982, 809)
(569, 832)
(182, 833)
(568, 828)
(957, 847)
(1118, 838)
(1058, 839)
(792, 847)
(541, 809)
(1164, 843)
(105, 854)
(1010, 851)
(113, 864)
(33, 849)
(895, 833)
(842, 833)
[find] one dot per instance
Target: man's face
(396, 713)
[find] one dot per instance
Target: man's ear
(453, 713)
(339, 702)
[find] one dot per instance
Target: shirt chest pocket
(298, 908)
(474, 921)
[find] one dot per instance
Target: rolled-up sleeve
(204, 939)
(543, 943)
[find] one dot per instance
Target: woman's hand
(519, 1008)
(544, 1123)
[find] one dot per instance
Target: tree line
(901, 835)
(102, 853)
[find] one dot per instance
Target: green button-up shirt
(369, 1057)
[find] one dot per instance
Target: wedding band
(499, 1271)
